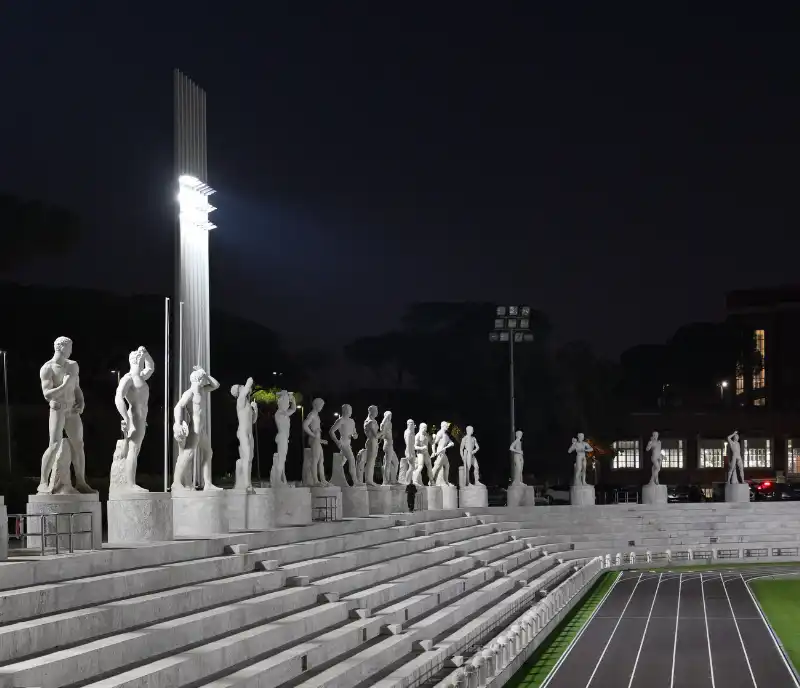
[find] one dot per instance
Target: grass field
(541, 662)
(780, 602)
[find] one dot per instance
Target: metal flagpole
(167, 424)
(8, 408)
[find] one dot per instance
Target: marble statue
(654, 447)
(314, 473)
(581, 449)
(346, 427)
(365, 465)
(736, 466)
(389, 456)
(441, 467)
(61, 388)
(406, 463)
(247, 414)
(193, 439)
(133, 394)
(422, 442)
(287, 407)
(468, 448)
(519, 459)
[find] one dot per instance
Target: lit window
(627, 454)
(757, 454)
(793, 456)
(759, 377)
(672, 454)
(739, 383)
(760, 402)
(712, 453)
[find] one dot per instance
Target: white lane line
(708, 636)
(644, 634)
(738, 632)
(778, 645)
(577, 637)
(675, 643)
(613, 631)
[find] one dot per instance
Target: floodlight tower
(512, 324)
(191, 317)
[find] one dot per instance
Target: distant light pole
(8, 407)
(512, 324)
(116, 372)
(722, 387)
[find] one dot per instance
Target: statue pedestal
(3, 529)
(139, 517)
(449, 496)
(473, 496)
(292, 505)
(66, 504)
(380, 499)
(582, 495)
(737, 492)
(429, 497)
(654, 494)
(197, 513)
(326, 503)
(515, 495)
(249, 510)
(462, 477)
(355, 501)
(399, 499)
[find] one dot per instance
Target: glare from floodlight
(525, 311)
(513, 310)
(504, 336)
(724, 383)
(193, 204)
(518, 336)
(524, 323)
(512, 323)
(494, 337)
(499, 323)
(501, 311)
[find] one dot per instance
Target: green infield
(780, 602)
(533, 673)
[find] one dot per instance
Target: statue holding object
(654, 447)
(468, 448)
(314, 472)
(441, 467)
(365, 465)
(736, 467)
(518, 459)
(581, 448)
(389, 468)
(346, 427)
(247, 415)
(287, 407)
(406, 471)
(422, 442)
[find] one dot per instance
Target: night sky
(619, 172)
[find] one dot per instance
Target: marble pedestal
(654, 494)
(250, 510)
(429, 497)
(582, 495)
(197, 513)
(473, 496)
(139, 517)
(66, 504)
(737, 492)
(292, 505)
(3, 529)
(380, 499)
(326, 503)
(515, 495)
(399, 499)
(449, 496)
(355, 501)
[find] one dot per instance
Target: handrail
(21, 529)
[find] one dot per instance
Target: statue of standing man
(287, 407)
(736, 467)
(469, 447)
(654, 447)
(247, 414)
(131, 400)
(61, 389)
(312, 427)
(581, 449)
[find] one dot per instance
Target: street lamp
(722, 387)
(8, 407)
(512, 324)
(116, 372)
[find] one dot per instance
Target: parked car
(557, 494)
(683, 494)
(767, 490)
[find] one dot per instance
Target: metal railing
(325, 508)
(21, 530)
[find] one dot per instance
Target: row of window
(759, 376)
(756, 453)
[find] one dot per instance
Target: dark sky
(620, 173)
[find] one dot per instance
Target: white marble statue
(581, 448)
(407, 462)
(441, 467)
(346, 427)
(654, 447)
(287, 407)
(422, 441)
(133, 394)
(247, 415)
(192, 438)
(61, 389)
(736, 466)
(468, 448)
(365, 465)
(314, 473)
(519, 459)
(389, 468)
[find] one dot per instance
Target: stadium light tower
(191, 319)
(512, 324)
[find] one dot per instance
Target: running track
(676, 630)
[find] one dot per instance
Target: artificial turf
(541, 662)
(780, 601)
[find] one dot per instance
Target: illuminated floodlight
(499, 323)
(518, 337)
(513, 310)
(512, 323)
(525, 312)
(193, 204)
(494, 337)
(524, 323)
(501, 311)
(504, 336)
